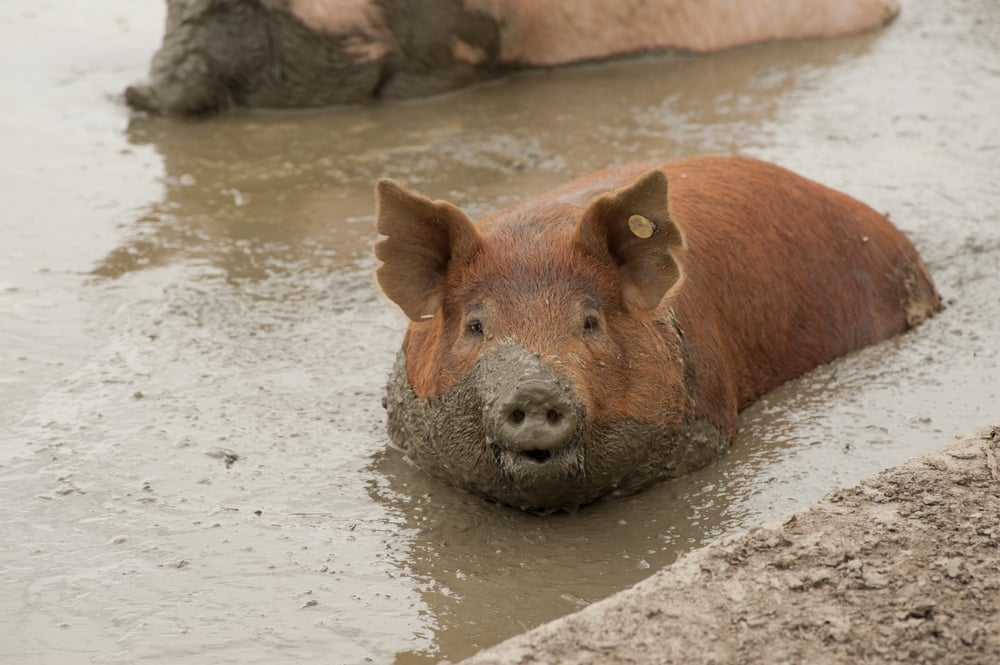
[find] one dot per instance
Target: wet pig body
(606, 335)
(218, 54)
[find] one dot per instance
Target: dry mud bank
(901, 568)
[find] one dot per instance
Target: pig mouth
(539, 480)
(539, 476)
(564, 461)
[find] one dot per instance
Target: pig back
(782, 274)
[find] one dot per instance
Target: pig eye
(474, 327)
(591, 323)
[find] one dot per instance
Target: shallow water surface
(193, 463)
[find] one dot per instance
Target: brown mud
(194, 465)
(901, 568)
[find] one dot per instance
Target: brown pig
(294, 53)
(605, 335)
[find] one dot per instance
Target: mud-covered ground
(193, 463)
(901, 568)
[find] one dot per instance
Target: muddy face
(537, 372)
(454, 438)
(219, 53)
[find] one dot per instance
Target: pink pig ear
(631, 227)
(423, 238)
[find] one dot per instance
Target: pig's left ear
(632, 229)
(423, 240)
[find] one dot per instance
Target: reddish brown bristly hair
(662, 294)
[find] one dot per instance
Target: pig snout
(535, 418)
(531, 413)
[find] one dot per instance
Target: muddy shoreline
(903, 567)
(176, 295)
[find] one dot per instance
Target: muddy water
(193, 463)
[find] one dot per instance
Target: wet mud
(194, 465)
(901, 568)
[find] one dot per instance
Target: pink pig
(218, 54)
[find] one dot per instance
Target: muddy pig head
(221, 53)
(540, 367)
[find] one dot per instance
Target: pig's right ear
(423, 239)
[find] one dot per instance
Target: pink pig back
(543, 33)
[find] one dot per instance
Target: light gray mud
(901, 568)
(193, 463)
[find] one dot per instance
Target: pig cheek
(436, 361)
(457, 361)
(444, 434)
(639, 378)
(636, 436)
(593, 370)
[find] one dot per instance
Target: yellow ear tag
(641, 227)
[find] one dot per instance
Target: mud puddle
(192, 452)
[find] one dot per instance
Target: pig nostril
(538, 455)
(553, 417)
(516, 416)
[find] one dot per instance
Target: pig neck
(707, 380)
